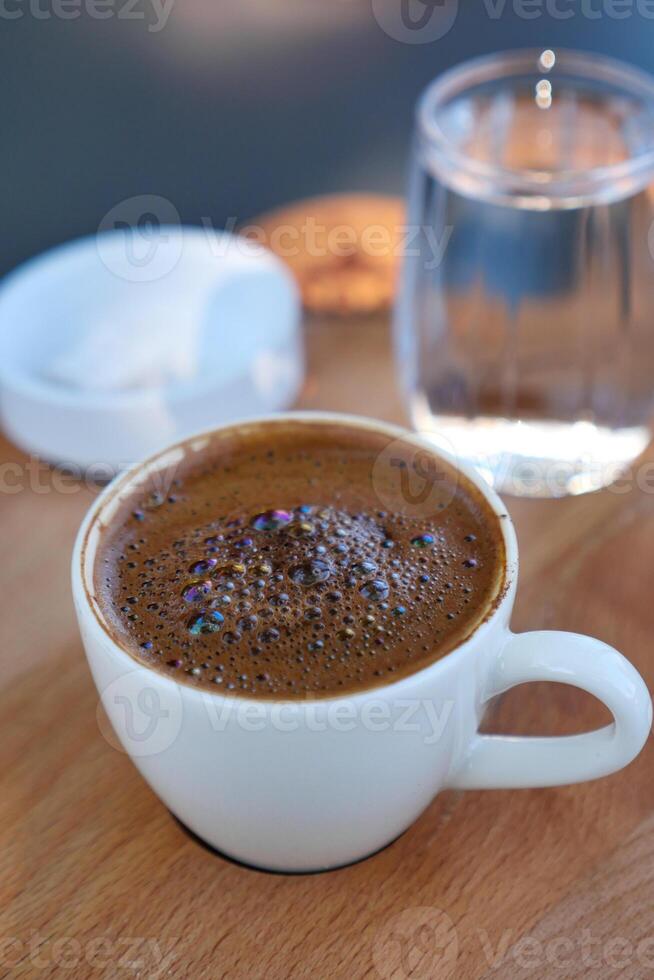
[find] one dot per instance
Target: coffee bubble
(375, 590)
(206, 623)
(271, 520)
(196, 591)
(310, 572)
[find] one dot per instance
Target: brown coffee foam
(335, 470)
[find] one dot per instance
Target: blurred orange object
(344, 249)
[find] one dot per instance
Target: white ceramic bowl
(226, 307)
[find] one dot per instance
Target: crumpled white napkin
(128, 352)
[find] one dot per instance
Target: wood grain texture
(97, 879)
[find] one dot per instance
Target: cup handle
(507, 762)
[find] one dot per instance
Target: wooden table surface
(99, 880)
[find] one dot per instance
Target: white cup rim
(82, 567)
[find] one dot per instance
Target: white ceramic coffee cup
(314, 784)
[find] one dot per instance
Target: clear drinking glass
(525, 321)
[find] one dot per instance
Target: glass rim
(506, 64)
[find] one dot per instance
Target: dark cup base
(274, 871)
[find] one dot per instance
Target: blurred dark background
(229, 107)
